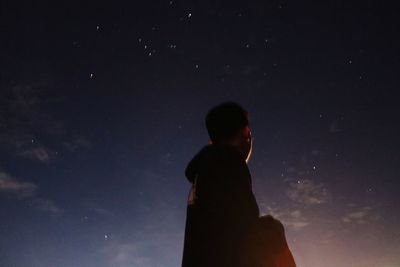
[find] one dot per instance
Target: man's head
(229, 123)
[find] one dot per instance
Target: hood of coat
(208, 155)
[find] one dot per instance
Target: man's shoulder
(218, 160)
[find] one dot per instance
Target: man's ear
(246, 132)
(209, 141)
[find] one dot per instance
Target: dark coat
(266, 245)
(221, 208)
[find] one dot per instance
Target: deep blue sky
(103, 105)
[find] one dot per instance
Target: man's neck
(234, 144)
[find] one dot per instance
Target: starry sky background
(103, 105)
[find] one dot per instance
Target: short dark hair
(226, 120)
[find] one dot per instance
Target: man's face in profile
(243, 141)
(246, 143)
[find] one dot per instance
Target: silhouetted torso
(221, 209)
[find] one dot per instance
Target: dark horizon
(102, 106)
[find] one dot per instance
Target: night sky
(103, 105)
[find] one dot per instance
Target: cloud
(22, 189)
(76, 143)
(103, 212)
(95, 209)
(125, 253)
(293, 219)
(296, 225)
(9, 184)
(359, 216)
(46, 205)
(28, 129)
(296, 220)
(37, 153)
(24, 121)
(306, 192)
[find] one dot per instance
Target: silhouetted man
(221, 205)
(223, 227)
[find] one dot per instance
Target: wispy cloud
(23, 189)
(46, 205)
(358, 215)
(93, 208)
(36, 153)
(75, 143)
(307, 192)
(293, 219)
(125, 253)
(28, 129)
(296, 220)
(9, 184)
(305, 196)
